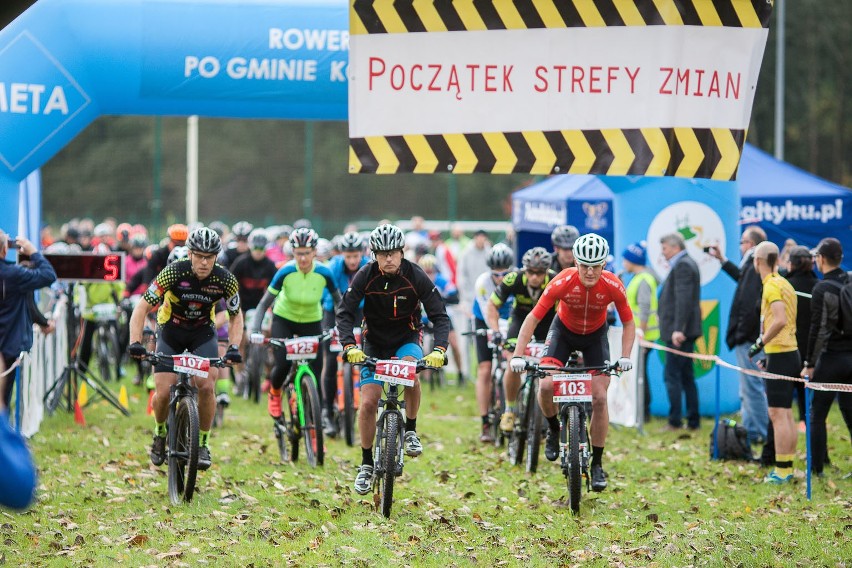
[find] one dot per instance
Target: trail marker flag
(614, 87)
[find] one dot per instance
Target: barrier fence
(810, 386)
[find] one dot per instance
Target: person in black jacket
(803, 278)
(743, 329)
(828, 358)
(679, 311)
(393, 290)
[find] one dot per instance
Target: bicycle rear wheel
(312, 427)
(571, 460)
(389, 452)
(498, 405)
(254, 368)
(348, 413)
(103, 354)
(535, 421)
(183, 450)
(518, 437)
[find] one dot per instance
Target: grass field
(101, 503)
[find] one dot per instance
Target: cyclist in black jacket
(393, 290)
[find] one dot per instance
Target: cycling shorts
(173, 340)
(483, 352)
(561, 342)
(410, 349)
(516, 322)
(779, 393)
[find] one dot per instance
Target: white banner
(622, 395)
(553, 79)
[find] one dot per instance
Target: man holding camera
(16, 285)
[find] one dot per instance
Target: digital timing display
(87, 266)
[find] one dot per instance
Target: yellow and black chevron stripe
(712, 153)
(408, 16)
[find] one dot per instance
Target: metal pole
(452, 198)
(779, 78)
(718, 412)
(308, 201)
(157, 202)
(192, 169)
(809, 393)
(640, 388)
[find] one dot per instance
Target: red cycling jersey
(581, 309)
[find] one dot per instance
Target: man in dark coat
(743, 329)
(680, 325)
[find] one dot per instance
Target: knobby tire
(572, 457)
(104, 364)
(183, 451)
(535, 420)
(348, 405)
(390, 451)
(498, 405)
(312, 430)
(518, 437)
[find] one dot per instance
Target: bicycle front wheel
(254, 368)
(183, 450)
(571, 465)
(389, 452)
(348, 405)
(535, 421)
(312, 425)
(104, 361)
(498, 405)
(518, 437)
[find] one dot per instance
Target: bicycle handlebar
(163, 359)
(279, 341)
(372, 361)
(606, 369)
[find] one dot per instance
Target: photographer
(16, 285)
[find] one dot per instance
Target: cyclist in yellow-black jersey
(189, 290)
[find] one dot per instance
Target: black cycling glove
(136, 350)
(232, 355)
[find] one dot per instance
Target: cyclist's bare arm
(628, 334)
(235, 328)
(526, 333)
(137, 320)
(492, 315)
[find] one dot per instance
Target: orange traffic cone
(78, 414)
(150, 409)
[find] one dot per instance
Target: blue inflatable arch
(64, 63)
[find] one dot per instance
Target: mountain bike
(303, 417)
(182, 424)
(572, 391)
(529, 421)
(348, 389)
(105, 340)
(388, 449)
(257, 359)
(497, 403)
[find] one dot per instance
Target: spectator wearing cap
(828, 357)
(743, 329)
(778, 340)
(641, 294)
(803, 278)
(16, 285)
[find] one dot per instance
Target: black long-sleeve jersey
(392, 306)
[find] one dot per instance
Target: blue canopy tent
(785, 201)
(582, 200)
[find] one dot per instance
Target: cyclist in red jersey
(583, 293)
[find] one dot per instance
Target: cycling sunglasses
(496, 274)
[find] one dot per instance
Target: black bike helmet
(564, 236)
(204, 240)
(350, 242)
(537, 258)
(304, 237)
(591, 249)
(500, 257)
(257, 239)
(386, 238)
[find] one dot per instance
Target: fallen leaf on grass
(137, 540)
(653, 517)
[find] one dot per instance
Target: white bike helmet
(386, 238)
(500, 257)
(204, 240)
(537, 258)
(591, 249)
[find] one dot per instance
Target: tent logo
(595, 215)
(38, 97)
(699, 226)
(545, 213)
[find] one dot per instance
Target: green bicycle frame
(303, 368)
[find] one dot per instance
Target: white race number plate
(396, 371)
(191, 365)
(301, 348)
(575, 387)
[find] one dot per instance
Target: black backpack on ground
(733, 441)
